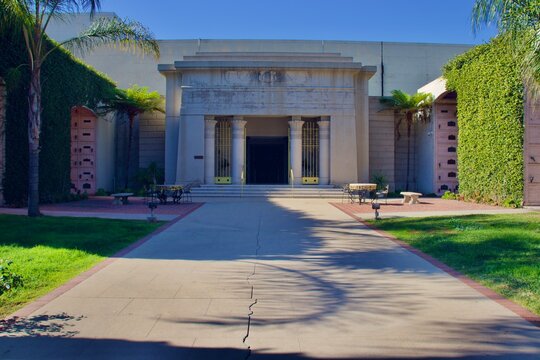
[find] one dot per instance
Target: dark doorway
(267, 160)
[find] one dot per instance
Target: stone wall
(152, 139)
(381, 141)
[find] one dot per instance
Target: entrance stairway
(267, 191)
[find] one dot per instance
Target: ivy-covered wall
(490, 119)
(66, 82)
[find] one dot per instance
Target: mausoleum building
(296, 112)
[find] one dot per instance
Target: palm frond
(133, 101)
(487, 12)
(531, 64)
(14, 14)
(126, 35)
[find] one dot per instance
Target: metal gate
(310, 152)
(223, 151)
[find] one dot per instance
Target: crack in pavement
(250, 308)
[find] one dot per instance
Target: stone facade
(249, 86)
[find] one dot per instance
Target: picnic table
(121, 198)
(362, 190)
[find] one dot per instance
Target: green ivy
(490, 121)
(66, 82)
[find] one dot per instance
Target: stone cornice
(180, 66)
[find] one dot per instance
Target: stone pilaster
(173, 103)
(295, 126)
(238, 173)
(324, 151)
(362, 126)
(209, 149)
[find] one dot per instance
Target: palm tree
(412, 108)
(520, 20)
(31, 19)
(132, 102)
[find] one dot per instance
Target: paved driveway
(288, 279)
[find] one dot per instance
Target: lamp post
(152, 205)
(376, 206)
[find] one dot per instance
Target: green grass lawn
(501, 252)
(48, 251)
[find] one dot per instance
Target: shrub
(8, 279)
(448, 195)
(380, 180)
(101, 192)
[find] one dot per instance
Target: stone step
(320, 191)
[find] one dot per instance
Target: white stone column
(295, 125)
(209, 149)
(238, 149)
(324, 151)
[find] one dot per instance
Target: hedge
(66, 82)
(490, 121)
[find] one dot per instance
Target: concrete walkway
(289, 279)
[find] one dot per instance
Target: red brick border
(507, 303)
(47, 298)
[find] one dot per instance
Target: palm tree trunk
(409, 123)
(128, 156)
(34, 130)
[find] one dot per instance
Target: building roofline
(234, 65)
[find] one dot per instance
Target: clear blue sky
(436, 21)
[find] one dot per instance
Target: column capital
(296, 118)
(209, 117)
(210, 128)
(238, 126)
(238, 118)
(238, 123)
(210, 123)
(296, 124)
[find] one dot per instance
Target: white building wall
(407, 65)
(381, 141)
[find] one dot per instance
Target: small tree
(31, 19)
(412, 108)
(132, 102)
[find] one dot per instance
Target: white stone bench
(121, 198)
(410, 197)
